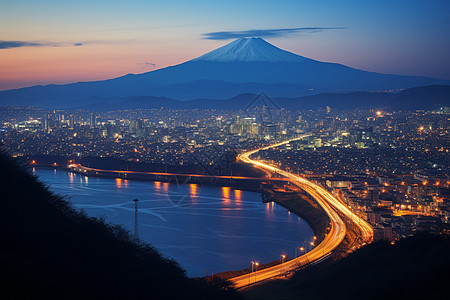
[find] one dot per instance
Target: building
(92, 121)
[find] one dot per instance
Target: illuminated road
(329, 204)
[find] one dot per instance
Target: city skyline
(225, 150)
(64, 42)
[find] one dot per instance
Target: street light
(306, 254)
(298, 248)
(255, 265)
(282, 261)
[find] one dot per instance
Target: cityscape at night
(265, 168)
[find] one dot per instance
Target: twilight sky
(54, 41)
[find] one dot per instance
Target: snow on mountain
(250, 50)
(246, 65)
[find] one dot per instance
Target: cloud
(19, 44)
(147, 64)
(226, 35)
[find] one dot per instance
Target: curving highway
(333, 207)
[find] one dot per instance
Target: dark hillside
(414, 268)
(48, 250)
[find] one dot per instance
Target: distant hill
(50, 251)
(246, 65)
(425, 97)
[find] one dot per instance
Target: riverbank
(297, 202)
(300, 204)
(294, 200)
(237, 175)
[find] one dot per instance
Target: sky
(55, 42)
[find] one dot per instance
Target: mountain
(246, 65)
(424, 97)
(250, 50)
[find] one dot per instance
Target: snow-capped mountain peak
(253, 49)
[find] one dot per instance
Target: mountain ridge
(425, 97)
(246, 65)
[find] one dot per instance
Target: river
(203, 228)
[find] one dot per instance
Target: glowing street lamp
(255, 265)
(301, 250)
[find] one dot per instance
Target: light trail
(329, 204)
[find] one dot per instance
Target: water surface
(202, 228)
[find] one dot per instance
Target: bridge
(164, 176)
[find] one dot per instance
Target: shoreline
(298, 202)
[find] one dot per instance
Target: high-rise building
(71, 121)
(92, 122)
(136, 125)
(46, 125)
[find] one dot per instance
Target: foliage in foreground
(49, 250)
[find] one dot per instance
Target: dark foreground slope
(48, 251)
(413, 268)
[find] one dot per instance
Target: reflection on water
(237, 197)
(118, 183)
(201, 227)
(193, 191)
(165, 187)
(226, 195)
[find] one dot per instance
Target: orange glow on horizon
(28, 66)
